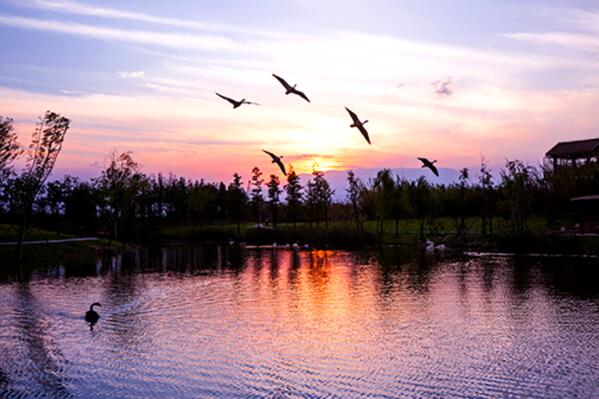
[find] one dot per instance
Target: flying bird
(358, 124)
(290, 89)
(236, 103)
(428, 164)
(277, 160)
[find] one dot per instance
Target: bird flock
(289, 89)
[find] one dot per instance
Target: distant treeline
(122, 200)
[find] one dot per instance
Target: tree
(355, 190)
(399, 203)
(80, 207)
(421, 202)
(274, 193)
(518, 182)
(384, 188)
(256, 193)
(46, 144)
(9, 148)
(463, 183)
(221, 202)
(485, 181)
(293, 190)
(118, 185)
(320, 197)
(237, 200)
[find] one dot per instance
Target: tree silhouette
(420, 198)
(384, 188)
(293, 190)
(319, 198)
(518, 182)
(355, 191)
(80, 207)
(485, 181)
(118, 185)
(400, 201)
(463, 183)
(9, 148)
(46, 144)
(237, 200)
(274, 193)
(256, 193)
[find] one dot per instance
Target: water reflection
(43, 356)
(230, 322)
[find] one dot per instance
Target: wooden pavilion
(574, 152)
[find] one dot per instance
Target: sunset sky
(140, 76)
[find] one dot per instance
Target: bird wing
(354, 117)
(301, 94)
(434, 169)
(281, 165)
(423, 160)
(364, 132)
(273, 156)
(282, 81)
(227, 98)
(250, 103)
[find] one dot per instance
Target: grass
(409, 230)
(69, 253)
(539, 237)
(10, 232)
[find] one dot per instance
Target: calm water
(231, 323)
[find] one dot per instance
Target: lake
(225, 322)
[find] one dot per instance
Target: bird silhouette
(290, 89)
(357, 124)
(277, 160)
(91, 316)
(428, 164)
(236, 104)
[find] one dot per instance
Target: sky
(454, 81)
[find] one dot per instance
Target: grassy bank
(539, 236)
(45, 254)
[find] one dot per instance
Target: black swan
(91, 316)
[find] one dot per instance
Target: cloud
(579, 41)
(301, 157)
(78, 8)
(443, 87)
(171, 107)
(132, 74)
(173, 40)
(584, 37)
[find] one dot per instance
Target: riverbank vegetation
(527, 208)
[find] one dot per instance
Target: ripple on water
(330, 324)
